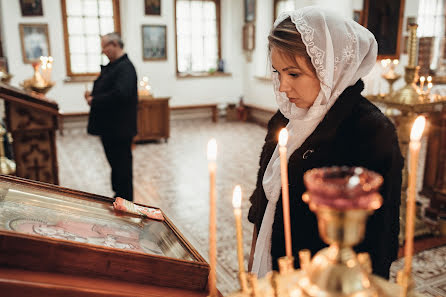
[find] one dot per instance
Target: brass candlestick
(410, 102)
(342, 199)
(37, 83)
(390, 76)
(390, 80)
(409, 93)
(5, 77)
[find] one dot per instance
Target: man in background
(113, 112)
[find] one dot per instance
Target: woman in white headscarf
(318, 60)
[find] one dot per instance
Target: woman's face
(296, 78)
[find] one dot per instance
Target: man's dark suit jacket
(353, 133)
(115, 101)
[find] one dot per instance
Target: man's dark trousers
(119, 156)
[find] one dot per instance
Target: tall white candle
(429, 87)
(283, 139)
(414, 150)
(237, 204)
(212, 165)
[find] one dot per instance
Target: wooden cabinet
(32, 120)
(153, 119)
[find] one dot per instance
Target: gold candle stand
(336, 271)
(37, 83)
(410, 102)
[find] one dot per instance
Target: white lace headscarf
(341, 51)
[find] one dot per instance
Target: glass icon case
(53, 229)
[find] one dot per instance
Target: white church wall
(162, 74)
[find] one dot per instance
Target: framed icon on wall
(154, 45)
(250, 11)
(152, 7)
(31, 7)
(384, 18)
(35, 42)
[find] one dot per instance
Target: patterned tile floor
(174, 177)
(429, 271)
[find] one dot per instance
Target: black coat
(115, 101)
(354, 133)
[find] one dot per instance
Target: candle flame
(422, 79)
(429, 85)
(383, 63)
(418, 128)
(212, 150)
(283, 137)
(237, 197)
(395, 62)
(429, 78)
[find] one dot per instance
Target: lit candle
(212, 165)
(50, 67)
(414, 149)
(392, 67)
(422, 79)
(429, 87)
(43, 66)
(283, 139)
(429, 79)
(237, 204)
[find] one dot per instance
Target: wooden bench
(212, 107)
